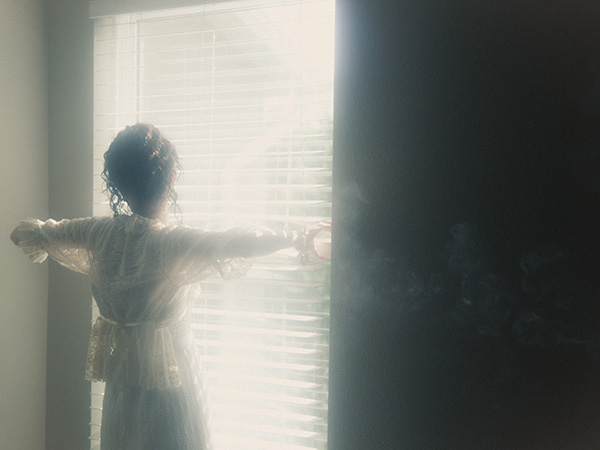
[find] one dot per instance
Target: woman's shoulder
(92, 225)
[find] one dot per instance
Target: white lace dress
(142, 275)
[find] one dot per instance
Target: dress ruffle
(38, 240)
(141, 354)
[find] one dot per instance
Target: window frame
(96, 390)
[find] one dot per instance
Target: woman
(142, 274)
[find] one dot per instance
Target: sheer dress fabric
(143, 277)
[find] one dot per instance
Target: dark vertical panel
(464, 292)
(70, 53)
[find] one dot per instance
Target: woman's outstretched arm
(189, 255)
(264, 243)
(68, 242)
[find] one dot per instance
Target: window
(244, 91)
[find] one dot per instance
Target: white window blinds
(244, 91)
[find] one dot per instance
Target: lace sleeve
(191, 254)
(68, 242)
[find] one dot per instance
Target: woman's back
(128, 275)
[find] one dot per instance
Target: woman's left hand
(306, 246)
(312, 229)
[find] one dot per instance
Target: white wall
(46, 135)
(24, 187)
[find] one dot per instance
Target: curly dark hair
(142, 165)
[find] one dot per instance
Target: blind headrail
(108, 8)
(99, 9)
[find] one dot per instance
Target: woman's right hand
(14, 236)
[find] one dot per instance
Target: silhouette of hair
(140, 165)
